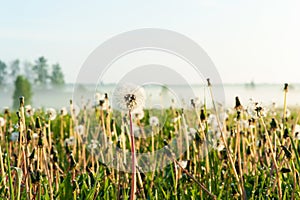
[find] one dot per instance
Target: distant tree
(3, 73)
(41, 70)
(14, 69)
(28, 71)
(57, 76)
(22, 88)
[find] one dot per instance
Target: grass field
(244, 152)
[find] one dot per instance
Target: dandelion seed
(51, 112)
(153, 121)
(128, 97)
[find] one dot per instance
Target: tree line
(39, 72)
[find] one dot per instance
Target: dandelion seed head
(29, 110)
(128, 97)
(51, 112)
(256, 109)
(138, 113)
(153, 121)
(63, 111)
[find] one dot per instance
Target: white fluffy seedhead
(128, 97)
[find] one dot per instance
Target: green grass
(45, 168)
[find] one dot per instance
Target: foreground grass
(246, 154)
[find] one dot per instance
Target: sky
(247, 40)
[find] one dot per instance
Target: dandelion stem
(225, 143)
(133, 158)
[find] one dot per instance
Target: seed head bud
(37, 123)
(286, 85)
(22, 100)
(238, 105)
(202, 115)
(208, 82)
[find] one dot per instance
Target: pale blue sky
(257, 39)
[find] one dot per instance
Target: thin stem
(194, 179)
(133, 158)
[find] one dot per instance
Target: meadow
(247, 151)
